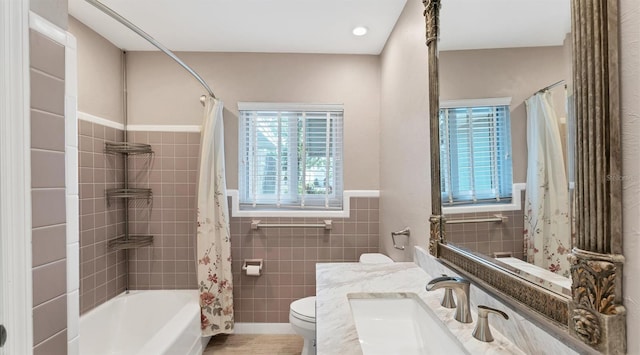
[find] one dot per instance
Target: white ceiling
(278, 26)
(312, 26)
(476, 24)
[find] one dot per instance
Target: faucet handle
(447, 300)
(482, 331)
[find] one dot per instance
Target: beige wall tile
(47, 169)
(48, 207)
(46, 55)
(47, 93)
(101, 270)
(47, 131)
(49, 244)
(54, 345)
(49, 319)
(48, 180)
(49, 281)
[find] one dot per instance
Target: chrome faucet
(461, 288)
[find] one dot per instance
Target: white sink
(400, 323)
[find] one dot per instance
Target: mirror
(505, 168)
(593, 312)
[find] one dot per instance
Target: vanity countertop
(335, 328)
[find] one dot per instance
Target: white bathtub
(144, 323)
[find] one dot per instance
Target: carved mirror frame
(594, 314)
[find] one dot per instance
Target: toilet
(302, 317)
(375, 258)
(302, 312)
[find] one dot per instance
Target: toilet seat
(304, 309)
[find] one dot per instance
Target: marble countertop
(335, 329)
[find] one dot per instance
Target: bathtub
(144, 323)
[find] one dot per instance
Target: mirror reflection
(506, 133)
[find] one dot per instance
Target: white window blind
(290, 157)
(475, 154)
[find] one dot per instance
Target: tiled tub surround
(336, 331)
(170, 217)
(171, 173)
(290, 256)
(102, 272)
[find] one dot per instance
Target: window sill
(515, 204)
(346, 205)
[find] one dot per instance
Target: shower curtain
(213, 243)
(547, 239)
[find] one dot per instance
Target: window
(290, 156)
(475, 151)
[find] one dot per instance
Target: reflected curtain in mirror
(547, 235)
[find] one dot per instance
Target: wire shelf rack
(130, 242)
(127, 148)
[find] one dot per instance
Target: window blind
(290, 159)
(475, 154)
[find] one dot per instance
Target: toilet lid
(375, 258)
(304, 308)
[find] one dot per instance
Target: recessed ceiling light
(360, 31)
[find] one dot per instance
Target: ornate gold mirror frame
(594, 314)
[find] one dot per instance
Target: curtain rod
(102, 7)
(549, 87)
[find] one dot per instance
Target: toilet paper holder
(248, 262)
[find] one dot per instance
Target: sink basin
(400, 323)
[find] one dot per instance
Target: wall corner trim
(137, 127)
(99, 120)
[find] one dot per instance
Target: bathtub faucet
(461, 288)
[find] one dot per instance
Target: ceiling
(476, 24)
(312, 26)
(277, 26)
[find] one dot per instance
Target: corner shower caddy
(127, 193)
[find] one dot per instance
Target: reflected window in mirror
(475, 152)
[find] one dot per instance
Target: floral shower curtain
(213, 243)
(547, 239)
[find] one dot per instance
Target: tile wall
(171, 173)
(289, 254)
(488, 238)
(102, 272)
(48, 197)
